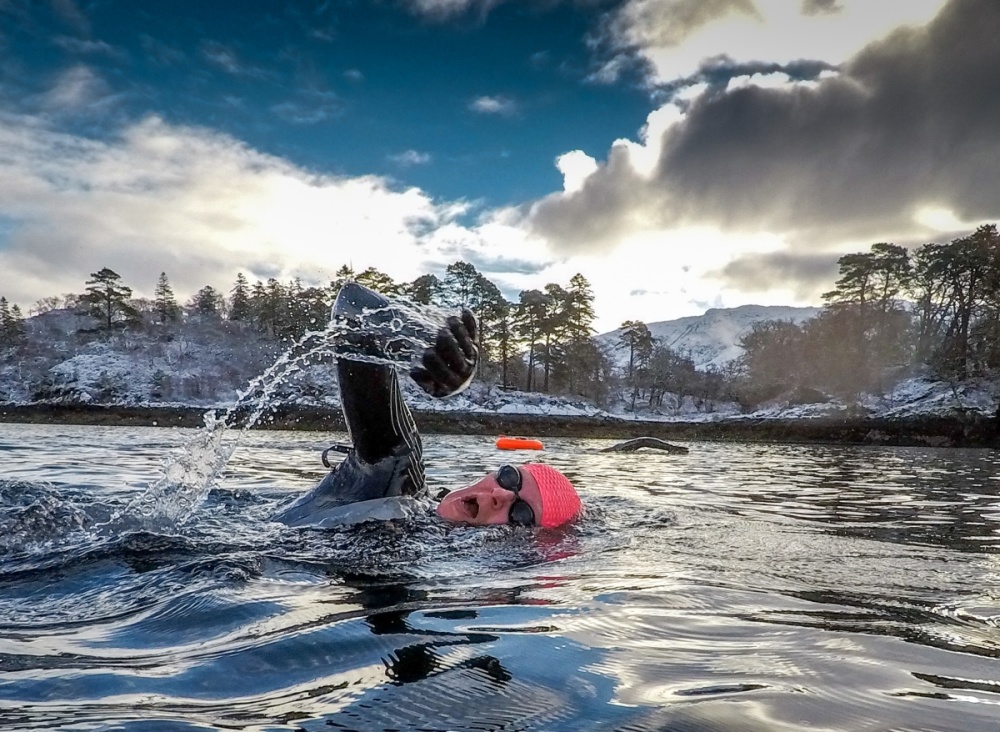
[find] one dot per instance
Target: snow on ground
(909, 398)
(923, 396)
(488, 398)
(184, 372)
(114, 378)
(208, 367)
(315, 386)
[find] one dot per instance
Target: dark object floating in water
(640, 442)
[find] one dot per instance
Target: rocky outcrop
(651, 443)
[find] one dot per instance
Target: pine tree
(504, 337)
(531, 313)
(465, 286)
(309, 310)
(579, 329)
(866, 297)
(426, 290)
(635, 336)
(239, 299)
(268, 305)
(9, 323)
(461, 285)
(17, 333)
(107, 299)
(553, 330)
(207, 303)
(291, 317)
(373, 279)
(579, 309)
(164, 302)
(342, 275)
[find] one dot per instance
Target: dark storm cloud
(718, 71)
(492, 265)
(264, 270)
(761, 272)
(820, 7)
(663, 23)
(910, 120)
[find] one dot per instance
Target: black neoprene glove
(448, 366)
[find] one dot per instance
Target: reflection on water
(740, 587)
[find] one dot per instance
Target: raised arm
(376, 415)
(386, 460)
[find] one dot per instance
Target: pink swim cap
(560, 502)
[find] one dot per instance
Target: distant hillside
(209, 362)
(713, 338)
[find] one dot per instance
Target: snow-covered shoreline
(174, 378)
(944, 426)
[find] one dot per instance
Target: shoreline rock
(958, 430)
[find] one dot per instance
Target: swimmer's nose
(499, 497)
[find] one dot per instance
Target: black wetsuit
(384, 470)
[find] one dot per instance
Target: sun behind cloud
(196, 204)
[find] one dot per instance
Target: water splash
(187, 478)
(36, 513)
(400, 332)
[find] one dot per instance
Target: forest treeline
(894, 312)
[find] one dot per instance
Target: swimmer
(383, 472)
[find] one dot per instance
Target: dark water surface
(740, 587)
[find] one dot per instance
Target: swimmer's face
(486, 502)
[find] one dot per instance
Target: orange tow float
(518, 443)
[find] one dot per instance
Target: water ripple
(745, 587)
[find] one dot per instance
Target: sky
(680, 154)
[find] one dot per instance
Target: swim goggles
(521, 513)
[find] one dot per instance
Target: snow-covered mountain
(712, 338)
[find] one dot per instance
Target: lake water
(740, 587)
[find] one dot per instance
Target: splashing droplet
(402, 331)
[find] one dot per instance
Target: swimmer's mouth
(471, 506)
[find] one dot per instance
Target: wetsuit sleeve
(380, 424)
(386, 461)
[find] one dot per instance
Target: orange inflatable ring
(518, 443)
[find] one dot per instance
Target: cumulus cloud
(409, 158)
(202, 206)
(907, 125)
(576, 167)
(493, 105)
(672, 38)
(671, 22)
(197, 205)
